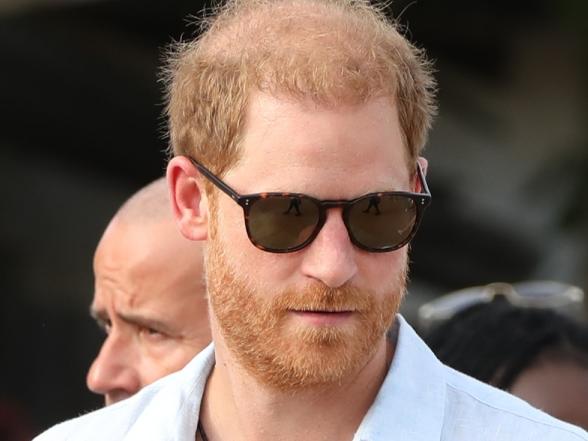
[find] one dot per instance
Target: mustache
(318, 297)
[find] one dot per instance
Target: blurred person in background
(537, 353)
(149, 297)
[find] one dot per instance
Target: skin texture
(558, 387)
(150, 300)
(331, 153)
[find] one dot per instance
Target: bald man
(149, 297)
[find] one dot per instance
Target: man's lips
(322, 311)
(322, 317)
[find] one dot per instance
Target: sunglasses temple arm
(216, 181)
(424, 186)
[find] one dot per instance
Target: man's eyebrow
(99, 315)
(146, 322)
(101, 318)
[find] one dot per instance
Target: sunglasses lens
(280, 223)
(382, 222)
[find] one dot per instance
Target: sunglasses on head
(287, 222)
(547, 294)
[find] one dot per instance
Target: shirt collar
(410, 403)
(173, 413)
(408, 407)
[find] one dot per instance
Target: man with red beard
(297, 128)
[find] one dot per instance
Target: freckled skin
(150, 299)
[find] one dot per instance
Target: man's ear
(424, 164)
(188, 198)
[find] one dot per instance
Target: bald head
(149, 204)
(149, 297)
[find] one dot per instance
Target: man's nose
(330, 258)
(113, 372)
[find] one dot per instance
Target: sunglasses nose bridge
(329, 205)
(334, 209)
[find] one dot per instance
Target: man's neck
(236, 407)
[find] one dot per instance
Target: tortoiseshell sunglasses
(287, 222)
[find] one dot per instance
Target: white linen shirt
(420, 400)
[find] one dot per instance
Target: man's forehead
(122, 244)
(145, 250)
(116, 289)
(166, 280)
(285, 136)
(304, 118)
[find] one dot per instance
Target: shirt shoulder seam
(515, 414)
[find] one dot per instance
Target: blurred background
(80, 111)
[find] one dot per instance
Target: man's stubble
(258, 330)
